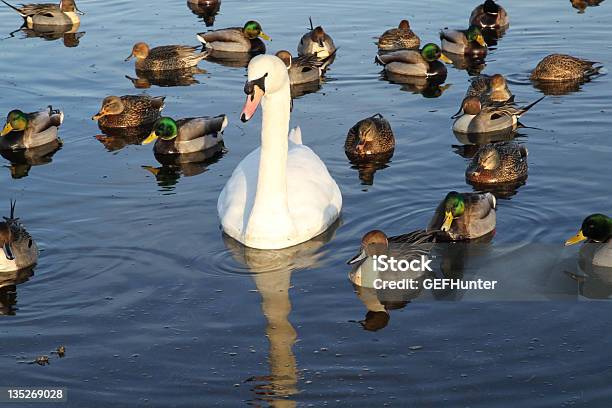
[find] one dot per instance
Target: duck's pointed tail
(531, 105)
(14, 8)
(295, 135)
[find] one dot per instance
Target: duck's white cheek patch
(251, 104)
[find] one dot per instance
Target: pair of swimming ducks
(465, 217)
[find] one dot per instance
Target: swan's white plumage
(313, 198)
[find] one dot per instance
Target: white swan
(281, 194)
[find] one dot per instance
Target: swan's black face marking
(249, 86)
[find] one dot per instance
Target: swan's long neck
(271, 209)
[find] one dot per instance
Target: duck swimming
(597, 231)
(561, 67)
(281, 194)
(490, 15)
(400, 38)
(485, 118)
(464, 216)
(187, 135)
(425, 63)
(29, 130)
(235, 39)
(129, 111)
(370, 137)
(316, 42)
(489, 88)
(19, 250)
(65, 13)
(464, 42)
(305, 68)
(406, 247)
(165, 58)
(503, 162)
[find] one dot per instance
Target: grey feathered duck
(244, 39)
(29, 130)
(129, 111)
(317, 42)
(188, 135)
(496, 163)
(165, 58)
(65, 13)
(304, 68)
(464, 216)
(18, 249)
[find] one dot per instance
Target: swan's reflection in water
(22, 161)
(8, 289)
(271, 272)
(69, 35)
(207, 10)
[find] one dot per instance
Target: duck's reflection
(559, 88)
(492, 36)
(179, 77)
(173, 167)
(501, 190)
(472, 141)
(367, 168)
(428, 87)
(8, 289)
(207, 10)
(581, 5)
(69, 35)
(22, 161)
(115, 139)
(271, 271)
(594, 282)
(300, 90)
(473, 66)
(235, 59)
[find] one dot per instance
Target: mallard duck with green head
(490, 15)
(476, 117)
(235, 39)
(370, 137)
(423, 63)
(129, 111)
(316, 42)
(464, 216)
(464, 42)
(187, 135)
(596, 230)
(561, 67)
(18, 249)
(166, 57)
(65, 13)
(498, 163)
(28, 130)
(400, 38)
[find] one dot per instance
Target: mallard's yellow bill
(480, 40)
(150, 138)
(579, 237)
(7, 129)
(444, 58)
(265, 36)
(448, 220)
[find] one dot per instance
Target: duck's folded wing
(43, 120)
(194, 128)
(28, 10)
(404, 56)
(480, 205)
(454, 36)
(412, 245)
(233, 34)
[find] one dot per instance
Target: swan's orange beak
(252, 102)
